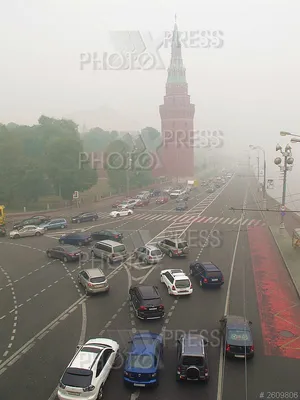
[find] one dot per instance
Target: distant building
(177, 120)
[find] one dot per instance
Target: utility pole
(258, 171)
(288, 162)
(265, 174)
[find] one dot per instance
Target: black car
(77, 239)
(207, 274)
(146, 302)
(182, 206)
(2, 231)
(107, 235)
(182, 198)
(85, 217)
(237, 337)
(35, 220)
(192, 358)
(64, 253)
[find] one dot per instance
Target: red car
(162, 200)
(142, 202)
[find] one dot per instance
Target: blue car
(76, 239)
(57, 223)
(143, 360)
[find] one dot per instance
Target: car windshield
(76, 377)
(190, 360)
(98, 279)
(182, 245)
(182, 283)
(119, 249)
(240, 335)
(145, 361)
(155, 253)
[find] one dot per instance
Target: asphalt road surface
(44, 314)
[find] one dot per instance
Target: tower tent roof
(176, 71)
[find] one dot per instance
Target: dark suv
(146, 302)
(192, 359)
(207, 273)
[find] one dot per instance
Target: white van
(110, 251)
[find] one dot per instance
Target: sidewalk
(283, 237)
(291, 256)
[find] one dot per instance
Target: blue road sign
(282, 213)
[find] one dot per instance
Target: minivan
(110, 250)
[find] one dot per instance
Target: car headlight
(153, 375)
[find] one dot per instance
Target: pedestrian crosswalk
(194, 218)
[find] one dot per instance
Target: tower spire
(176, 71)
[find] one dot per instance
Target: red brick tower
(177, 119)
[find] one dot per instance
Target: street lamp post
(265, 174)
(288, 162)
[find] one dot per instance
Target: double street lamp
(265, 172)
(288, 162)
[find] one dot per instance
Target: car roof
(77, 234)
(93, 272)
(209, 266)
(87, 354)
(110, 242)
(140, 346)
(193, 344)
(236, 322)
(147, 291)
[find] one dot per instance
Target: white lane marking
(245, 221)
(33, 339)
(15, 309)
(230, 222)
(222, 354)
(251, 222)
(201, 219)
(227, 219)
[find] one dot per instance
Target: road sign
(76, 195)
(282, 208)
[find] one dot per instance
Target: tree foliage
(41, 159)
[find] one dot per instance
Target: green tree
(96, 140)
(117, 164)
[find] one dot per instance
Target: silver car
(93, 281)
(29, 230)
(148, 254)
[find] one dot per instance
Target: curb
(286, 264)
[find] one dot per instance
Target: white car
(121, 212)
(176, 193)
(29, 230)
(88, 371)
(177, 282)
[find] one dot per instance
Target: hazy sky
(249, 88)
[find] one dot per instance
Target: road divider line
(226, 308)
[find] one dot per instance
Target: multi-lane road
(44, 314)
